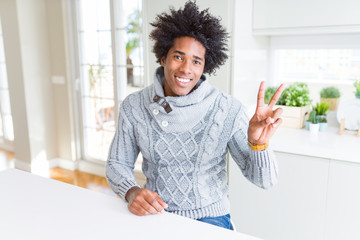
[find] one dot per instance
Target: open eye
(178, 57)
(197, 62)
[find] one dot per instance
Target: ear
(162, 60)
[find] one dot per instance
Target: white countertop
(33, 207)
(327, 144)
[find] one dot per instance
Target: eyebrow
(182, 53)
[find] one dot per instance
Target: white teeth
(184, 80)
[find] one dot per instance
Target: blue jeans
(221, 221)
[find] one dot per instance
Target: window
(110, 67)
(6, 123)
(320, 61)
(318, 65)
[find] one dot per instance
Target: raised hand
(265, 120)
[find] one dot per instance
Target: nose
(185, 66)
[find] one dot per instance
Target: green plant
(269, 92)
(322, 120)
(357, 88)
(295, 95)
(330, 92)
(321, 108)
(312, 117)
(95, 74)
(132, 44)
(133, 30)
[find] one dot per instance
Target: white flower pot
(314, 128)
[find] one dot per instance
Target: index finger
(260, 96)
(161, 202)
(276, 95)
(156, 202)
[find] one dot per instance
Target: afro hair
(190, 22)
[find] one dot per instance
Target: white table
(33, 207)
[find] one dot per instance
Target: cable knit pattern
(185, 150)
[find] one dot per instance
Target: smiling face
(183, 66)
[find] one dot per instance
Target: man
(184, 127)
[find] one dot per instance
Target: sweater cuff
(261, 158)
(125, 187)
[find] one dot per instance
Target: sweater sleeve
(259, 167)
(122, 156)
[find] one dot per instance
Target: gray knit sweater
(184, 151)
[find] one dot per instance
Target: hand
(265, 121)
(144, 202)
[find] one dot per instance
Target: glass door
(110, 67)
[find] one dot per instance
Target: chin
(183, 93)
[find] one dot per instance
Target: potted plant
(294, 101)
(321, 109)
(314, 124)
(357, 89)
(331, 96)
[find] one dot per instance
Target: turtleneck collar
(186, 111)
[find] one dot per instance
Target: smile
(183, 80)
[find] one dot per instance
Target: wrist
(131, 193)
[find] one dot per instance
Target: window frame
(5, 142)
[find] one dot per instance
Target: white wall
(251, 55)
(10, 28)
(27, 54)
